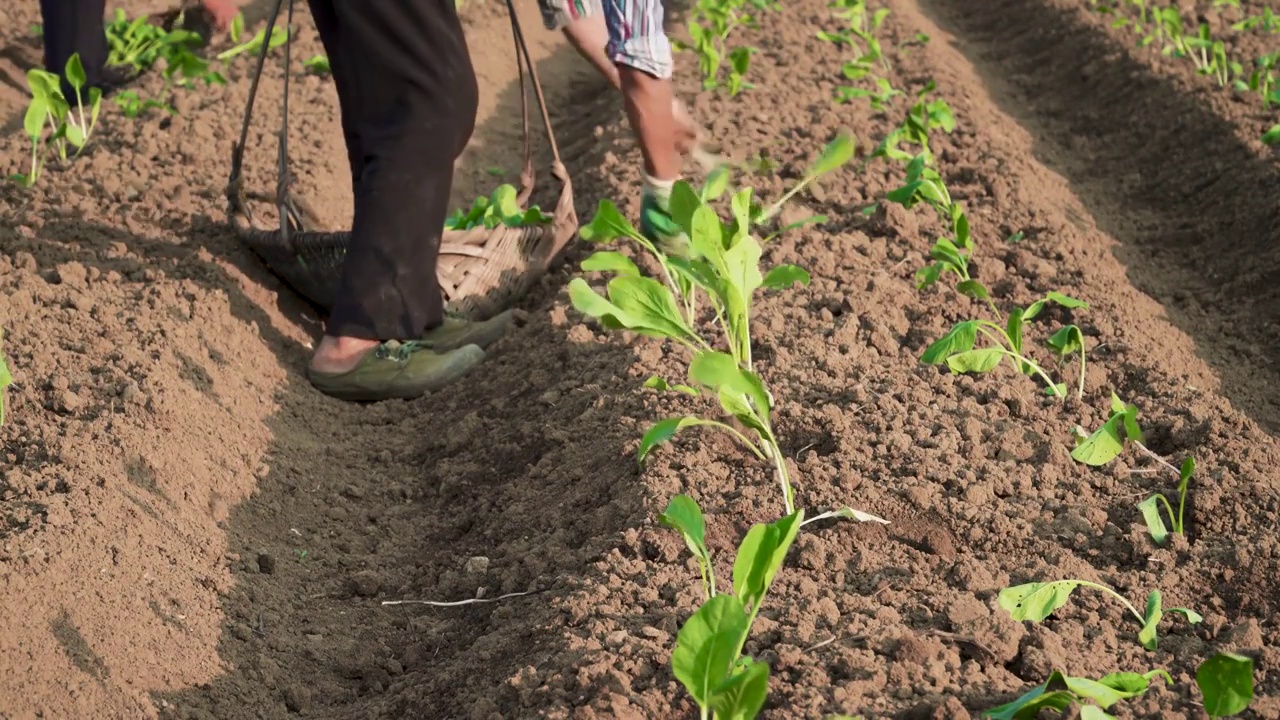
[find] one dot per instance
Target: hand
(223, 12)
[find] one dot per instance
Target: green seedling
(685, 517)
(1272, 136)
(318, 65)
(1094, 697)
(712, 264)
(1108, 441)
(1150, 507)
(502, 208)
(6, 377)
(1038, 600)
(134, 106)
(1267, 21)
(880, 98)
(1263, 81)
(711, 24)
(959, 347)
(708, 657)
(80, 128)
(1226, 683)
(924, 117)
(279, 36)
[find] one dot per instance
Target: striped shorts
(637, 37)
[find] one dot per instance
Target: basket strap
(525, 61)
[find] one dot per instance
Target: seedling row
(698, 294)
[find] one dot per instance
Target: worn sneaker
(456, 332)
(658, 228)
(396, 370)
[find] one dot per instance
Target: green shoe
(658, 228)
(395, 370)
(456, 332)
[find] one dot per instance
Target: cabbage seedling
(1094, 697)
(1038, 600)
(959, 347)
(1108, 441)
(685, 517)
(1226, 682)
(708, 658)
(1272, 136)
(279, 36)
(1151, 506)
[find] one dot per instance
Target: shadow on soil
(1191, 205)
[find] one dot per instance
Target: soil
(188, 530)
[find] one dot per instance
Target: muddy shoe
(658, 228)
(395, 370)
(456, 332)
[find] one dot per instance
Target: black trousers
(70, 27)
(408, 96)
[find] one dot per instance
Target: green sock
(659, 190)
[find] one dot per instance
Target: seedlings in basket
(1094, 697)
(1038, 600)
(708, 657)
(501, 208)
(1150, 507)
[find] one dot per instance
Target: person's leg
(71, 27)
(638, 45)
(326, 19)
(417, 101)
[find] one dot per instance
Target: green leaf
(1226, 682)
(657, 383)
(1066, 341)
(684, 516)
(1065, 300)
(973, 289)
(1193, 617)
(607, 224)
(1103, 446)
(1029, 705)
(717, 184)
(720, 372)
(706, 646)
(75, 72)
(661, 432)
(975, 361)
(1151, 618)
(648, 306)
(1272, 136)
(760, 557)
(838, 152)
(6, 377)
(33, 121)
(1037, 600)
(609, 261)
(683, 203)
(1184, 475)
(75, 135)
(589, 302)
(960, 338)
(741, 696)
(1093, 712)
(784, 276)
(1150, 509)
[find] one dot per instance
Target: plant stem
(780, 468)
(1173, 519)
(1158, 459)
(1117, 596)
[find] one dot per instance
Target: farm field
(189, 530)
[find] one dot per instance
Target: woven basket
(481, 271)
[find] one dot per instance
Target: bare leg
(649, 107)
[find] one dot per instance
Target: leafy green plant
(279, 36)
(1267, 21)
(711, 23)
(6, 377)
(49, 108)
(134, 106)
(1150, 507)
(501, 208)
(1094, 697)
(318, 64)
(708, 657)
(1272, 136)
(960, 350)
(715, 265)
(1038, 600)
(1226, 682)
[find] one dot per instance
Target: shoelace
(398, 351)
